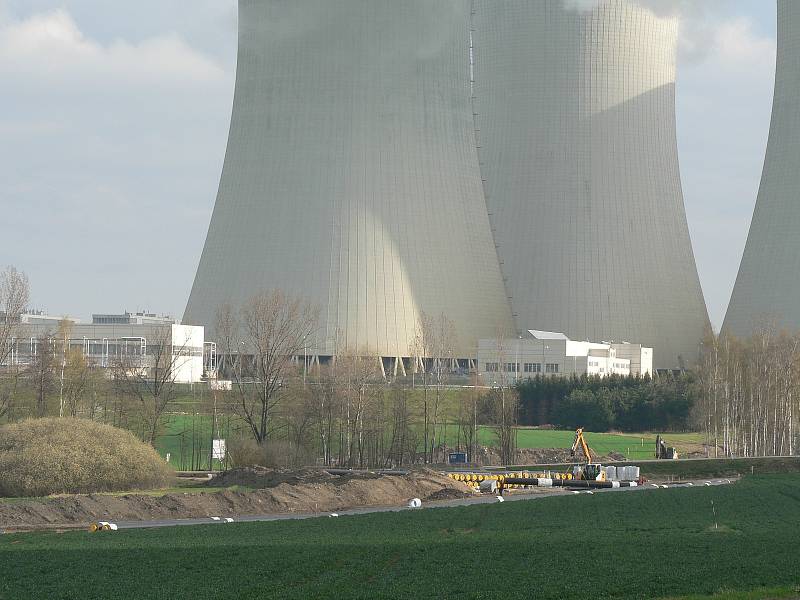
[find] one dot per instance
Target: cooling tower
(575, 118)
(767, 289)
(351, 175)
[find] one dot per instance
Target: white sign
(218, 450)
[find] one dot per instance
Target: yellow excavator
(591, 470)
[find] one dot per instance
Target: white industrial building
(505, 361)
(129, 338)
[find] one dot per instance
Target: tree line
(743, 395)
(345, 412)
(750, 393)
(624, 403)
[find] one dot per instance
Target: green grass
(184, 433)
(643, 544)
(729, 467)
(633, 446)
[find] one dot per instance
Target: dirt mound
(446, 494)
(331, 493)
(263, 478)
(540, 456)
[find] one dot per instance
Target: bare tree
(14, 297)
(433, 346)
(326, 400)
(76, 380)
(74, 370)
(42, 372)
(270, 330)
(301, 414)
(147, 373)
(357, 375)
(402, 447)
(750, 392)
(502, 405)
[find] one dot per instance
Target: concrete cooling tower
(767, 289)
(511, 164)
(575, 112)
(351, 175)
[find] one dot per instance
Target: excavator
(663, 452)
(591, 470)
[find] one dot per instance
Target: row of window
(595, 363)
(494, 367)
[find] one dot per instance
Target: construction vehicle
(590, 471)
(664, 452)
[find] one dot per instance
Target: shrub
(245, 452)
(39, 457)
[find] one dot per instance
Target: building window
(533, 367)
(552, 368)
(511, 367)
(492, 367)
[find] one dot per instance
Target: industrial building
(499, 163)
(505, 361)
(767, 289)
(130, 340)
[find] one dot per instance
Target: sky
(114, 120)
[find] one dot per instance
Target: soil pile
(303, 492)
(541, 456)
(263, 477)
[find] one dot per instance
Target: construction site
(258, 492)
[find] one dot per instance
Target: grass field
(185, 432)
(633, 446)
(644, 544)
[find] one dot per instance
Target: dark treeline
(633, 403)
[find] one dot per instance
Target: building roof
(547, 335)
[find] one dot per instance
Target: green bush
(39, 457)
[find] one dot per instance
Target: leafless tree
(14, 297)
(265, 336)
(358, 375)
(148, 375)
(301, 414)
(502, 406)
(327, 402)
(77, 376)
(750, 393)
(433, 345)
(42, 372)
(402, 447)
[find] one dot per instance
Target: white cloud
(51, 45)
(737, 46)
(114, 138)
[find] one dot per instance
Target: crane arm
(580, 441)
